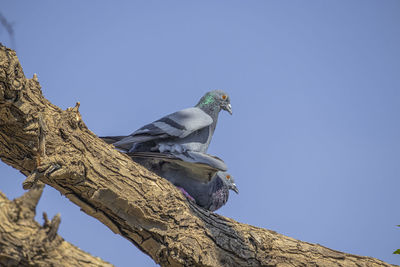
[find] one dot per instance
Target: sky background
(314, 139)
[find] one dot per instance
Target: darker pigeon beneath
(203, 179)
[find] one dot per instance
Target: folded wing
(176, 125)
(188, 165)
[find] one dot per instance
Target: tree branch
(23, 242)
(54, 146)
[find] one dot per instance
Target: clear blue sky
(314, 140)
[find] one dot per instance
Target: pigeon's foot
(186, 194)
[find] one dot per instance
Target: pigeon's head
(217, 99)
(228, 181)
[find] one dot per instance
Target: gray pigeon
(212, 195)
(189, 129)
(202, 180)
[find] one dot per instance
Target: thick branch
(133, 202)
(23, 242)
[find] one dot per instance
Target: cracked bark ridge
(54, 146)
(24, 242)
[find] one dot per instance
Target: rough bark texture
(24, 242)
(54, 146)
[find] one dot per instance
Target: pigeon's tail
(112, 139)
(152, 155)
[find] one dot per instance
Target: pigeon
(190, 129)
(212, 195)
(202, 180)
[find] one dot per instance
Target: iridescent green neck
(208, 99)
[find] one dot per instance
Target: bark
(24, 242)
(54, 146)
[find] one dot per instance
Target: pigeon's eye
(228, 177)
(223, 97)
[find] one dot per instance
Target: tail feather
(112, 139)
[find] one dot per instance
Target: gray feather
(201, 167)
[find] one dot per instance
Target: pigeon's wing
(179, 124)
(197, 166)
(203, 159)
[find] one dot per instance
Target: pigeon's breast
(219, 198)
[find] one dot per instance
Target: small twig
(31, 198)
(31, 180)
(42, 136)
(46, 222)
(77, 105)
(9, 28)
(54, 167)
(35, 176)
(76, 108)
(54, 224)
(78, 118)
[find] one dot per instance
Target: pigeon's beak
(228, 108)
(234, 188)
